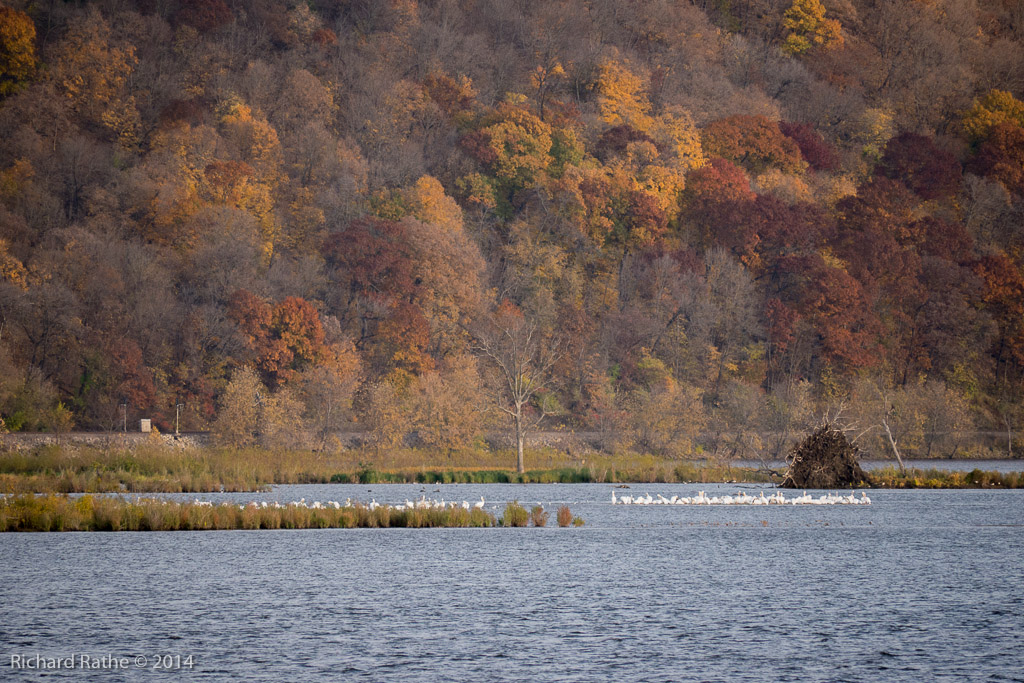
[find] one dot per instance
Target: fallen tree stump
(824, 460)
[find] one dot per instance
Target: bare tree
(523, 356)
(891, 410)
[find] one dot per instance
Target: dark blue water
(919, 586)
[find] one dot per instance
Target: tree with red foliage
(874, 225)
(714, 204)
(1001, 156)
(785, 230)
(134, 377)
(943, 323)
(813, 148)
(1003, 296)
(915, 160)
(782, 321)
(944, 239)
(204, 15)
(372, 268)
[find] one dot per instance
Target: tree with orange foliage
(400, 343)
(754, 142)
(283, 339)
(846, 327)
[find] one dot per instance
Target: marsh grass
(564, 516)
(104, 513)
(155, 469)
(890, 477)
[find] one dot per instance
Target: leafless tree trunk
(1009, 434)
(524, 358)
(892, 442)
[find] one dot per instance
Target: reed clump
(106, 513)
(564, 516)
(514, 515)
(538, 515)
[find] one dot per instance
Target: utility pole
(177, 414)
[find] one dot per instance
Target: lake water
(918, 586)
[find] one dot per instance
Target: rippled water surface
(919, 586)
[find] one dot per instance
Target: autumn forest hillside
(694, 225)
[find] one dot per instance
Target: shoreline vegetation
(52, 469)
(25, 513)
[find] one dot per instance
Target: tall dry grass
(146, 469)
(105, 513)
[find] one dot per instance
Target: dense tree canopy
(724, 212)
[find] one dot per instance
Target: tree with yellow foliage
(521, 144)
(428, 202)
(257, 143)
(11, 269)
(622, 99)
(448, 405)
(990, 110)
(676, 131)
(808, 28)
(17, 50)
(662, 416)
(93, 70)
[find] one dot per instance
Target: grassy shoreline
(50, 469)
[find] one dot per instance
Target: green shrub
(515, 515)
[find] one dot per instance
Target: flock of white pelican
(741, 498)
